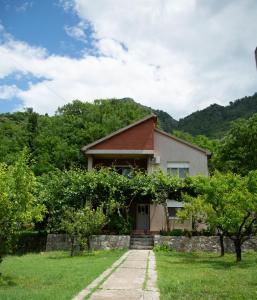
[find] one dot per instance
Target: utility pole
(256, 56)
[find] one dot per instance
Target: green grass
(51, 275)
(206, 276)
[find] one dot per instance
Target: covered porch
(123, 163)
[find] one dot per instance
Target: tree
(237, 150)
(18, 205)
(105, 187)
(228, 203)
(32, 128)
(80, 224)
(75, 188)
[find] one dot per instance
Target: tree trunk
(0, 263)
(222, 250)
(72, 245)
(88, 242)
(167, 216)
(237, 244)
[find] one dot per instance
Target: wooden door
(143, 216)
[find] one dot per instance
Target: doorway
(143, 216)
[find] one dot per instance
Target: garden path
(132, 277)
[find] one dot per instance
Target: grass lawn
(206, 276)
(51, 275)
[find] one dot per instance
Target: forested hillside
(215, 120)
(55, 141)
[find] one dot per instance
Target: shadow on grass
(6, 281)
(196, 259)
(67, 255)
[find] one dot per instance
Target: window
(180, 170)
(142, 209)
(173, 212)
(173, 208)
(124, 170)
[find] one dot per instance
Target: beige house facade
(144, 146)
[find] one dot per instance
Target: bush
(28, 241)
(120, 225)
(187, 232)
(203, 232)
(163, 247)
(80, 224)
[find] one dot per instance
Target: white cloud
(8, 91)
(178, 56)
(77, 32)
(23, 7)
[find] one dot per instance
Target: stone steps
(141, 241)
(134, 247)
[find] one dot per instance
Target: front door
(143, 220)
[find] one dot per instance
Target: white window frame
(178, 165)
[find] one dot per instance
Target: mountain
(166, 122)
(214, 120)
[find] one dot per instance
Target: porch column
(149, 165)
(89, 162)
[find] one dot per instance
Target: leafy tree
(80, 224)
(105, 187)
(32, 128)
(13, 136)
(18, 205)
(237, 151)
(228, 203)
(76, 188)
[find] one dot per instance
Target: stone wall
(201, 243)
(57, 242)
(97, 242)
(106, 242)
(178, 243)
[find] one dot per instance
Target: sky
(175, 55)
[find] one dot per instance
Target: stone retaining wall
(201, 243)
(97, 242)
(178, 243)
(57, 242)
(106, 242)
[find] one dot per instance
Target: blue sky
(178, 56)
(41, 24)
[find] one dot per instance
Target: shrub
(119, 224)
(28, 241)
(163, 247)
(80, 224)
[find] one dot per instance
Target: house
(144, 146)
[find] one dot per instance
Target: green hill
(55, 141)
(214, 120)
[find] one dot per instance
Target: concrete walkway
(132, 277)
